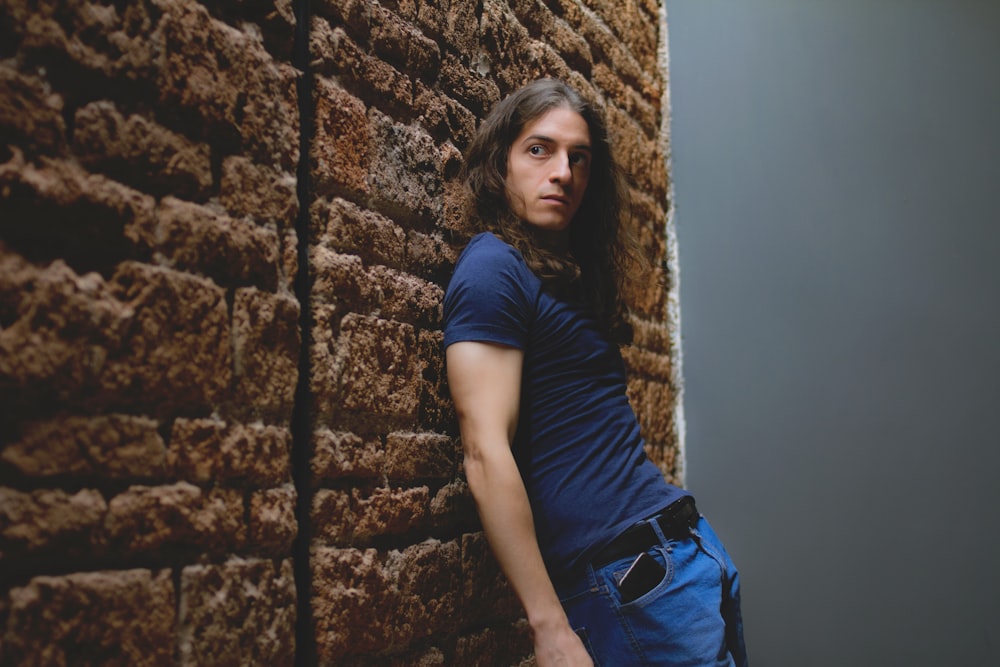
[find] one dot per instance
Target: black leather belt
(675, 522)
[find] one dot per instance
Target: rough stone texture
(182, 518)
(340, 455)
(45, 522)
(241, 612)
(271, 525)
(169, 289)
(140, 152)
(108, 446)
(266, 341)
(420, 456)
(123, 617)
(206, 450)
(374, 602)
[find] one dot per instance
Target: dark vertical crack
(302, 419)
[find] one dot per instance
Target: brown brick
(380, 368)
(647, 364)
(380, 84)
(56, 209)
(650, 218)
(650, 299)
(468, 86)
(146, 269)
(289, 258)
(175, 354)
(503, 36)
(225, 77)
(261, 193)
(341, 517)
(341, 149)
(650, 399)
(241, 612)
(479, 649)
(271, 523)
(538, 60)
(356, 15)
(392, 512)
(348, 228)
(106, 446)
(365, 602)
(453, 22)
(405, 176)
(455, 218)
(517, 58)
(47, 523)
(74, 35)
(399, 296)
(277, 23)
(483, 580)
(413, 456)
(430, 256)
(436, 409)
(635, 23)
(150, 338)
(352, 603)
(339, 455)
(506, 644)
(158, 520)
(324, 383)
(140, 152)
(453, 508)
(653, 336)
(646, 113)
(664, 456)
(544, 25)
(30, 115)
(428, 577)
(642, 158)
(430, 657)
(444, 118)
(124, 618)
(606, 47)
(401, 43)
(332, 516)
(265, 354)
(340, 280)
(209, 450)
(196, 238)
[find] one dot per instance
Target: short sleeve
(491, 295)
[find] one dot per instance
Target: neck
(554, 241)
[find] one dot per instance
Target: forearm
(509, 526)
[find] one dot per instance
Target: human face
(548, 167)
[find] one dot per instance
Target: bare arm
(485, 382)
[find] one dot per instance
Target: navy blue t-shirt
(577, 445)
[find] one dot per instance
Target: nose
(561, 171)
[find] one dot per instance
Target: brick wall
(225, 232)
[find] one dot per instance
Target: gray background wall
(836, 174)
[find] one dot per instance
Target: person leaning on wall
(612, 564)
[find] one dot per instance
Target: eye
(537, 150)
(579, 159)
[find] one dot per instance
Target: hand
(560, 648)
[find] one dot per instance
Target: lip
(556, 199)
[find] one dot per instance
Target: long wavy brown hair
(601, 248)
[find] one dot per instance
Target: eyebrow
(542, 137)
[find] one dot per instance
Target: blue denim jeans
(692, 617)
